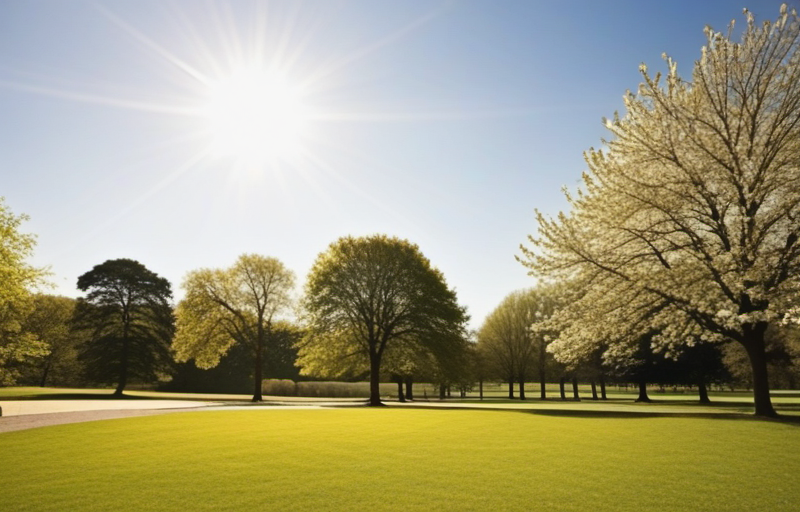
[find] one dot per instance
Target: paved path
(24, 414)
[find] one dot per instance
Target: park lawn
(402, 459)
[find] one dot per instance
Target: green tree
(50, 322)
(127, 317)
(366, 295)
(511, 344)
(688, 220)
(17, 278)
(223, 307)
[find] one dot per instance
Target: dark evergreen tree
(128, 320)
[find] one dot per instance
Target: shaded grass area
(402, 459)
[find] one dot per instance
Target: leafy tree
(511, 343)
(367, 295)
(127, 317)
(17, 278)
(50, 322)
(235, 372)
(688, 220)
(231, 306)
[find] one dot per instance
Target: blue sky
(446, 123)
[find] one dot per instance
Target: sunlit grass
(401, 459)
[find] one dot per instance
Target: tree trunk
(643, 392)
(123, 363)
(575, 394)
(442, 391)
(701, 388)
(510, 388)
(603, 387)
(259, 364)
(754, 344)
(374, 379)
(594, 390)
(561, 387)
(409, 388)
(521, 387)
(400, 395)
(43, 382)
(542, 370)
(480, 387)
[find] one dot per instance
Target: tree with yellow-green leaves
(17, 278)
(369, 297)
(688, 221)
(237, 305)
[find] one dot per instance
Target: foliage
(366, 296)
(402, 459)
(511, 345)
(223, 307)
(127, 318)
(17, 278)
(50, 322)
(688, 220)
(235, 372)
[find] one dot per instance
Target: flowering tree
(688, 220)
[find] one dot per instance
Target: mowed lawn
(361, 459)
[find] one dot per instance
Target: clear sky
(126, 126)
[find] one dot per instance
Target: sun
(255, 117)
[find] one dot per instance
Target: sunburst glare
(256, 116)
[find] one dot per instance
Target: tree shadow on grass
(641, 413)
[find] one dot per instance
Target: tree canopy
(687, 223)
(510, 344)
(17, 278)
(369, 294)
(234, 305)
(127, 316)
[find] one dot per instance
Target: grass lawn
(402, 459)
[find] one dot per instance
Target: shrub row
(327, 389)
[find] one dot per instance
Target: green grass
(402, 459)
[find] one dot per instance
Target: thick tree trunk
(575, 394)
(400, 395)
(561, 383)
(755, 346)
(442, 391)
(480, 387)
(510, 388)
(594, 391)
(374, 380)
(521, 387)
(701, 388)
(409, 388)
(603, 387)
(643, 392)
